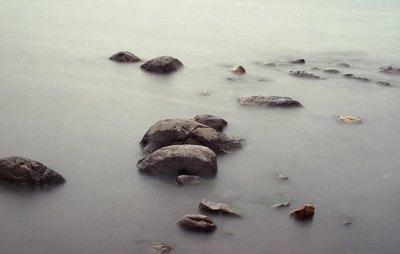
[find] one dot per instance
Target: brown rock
(189, 179)
(238, 70)
(215, 207)
(306, 212)
(214, 122)
(124, 57)
(196, 222)
(162, 64)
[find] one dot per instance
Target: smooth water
(63, 103)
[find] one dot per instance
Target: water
(64, 104)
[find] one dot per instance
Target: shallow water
(64, 104)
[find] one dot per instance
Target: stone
(269, 64)
(331, 71)
(238, 70)
(283, 177)
(215, 207)
(162, 248)
(189, 179)
(297, 61)
(348, 119)
(304, 74)
(196, 222)
(345, 65)
(359, 78)
(162, 64)
(204, 93)
(180, 159)
(124, 57)
(268, 101)
(306, 212)
(389, 69)
(383, 83)
(214, 122)
(23, 171)
(180, 131)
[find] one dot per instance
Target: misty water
(63, 103)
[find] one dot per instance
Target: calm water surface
(64, 104)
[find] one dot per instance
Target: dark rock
(162, 64)
(23, 171)
(189, 179)
(238, 70)
(331, 70)
(304, 74)
(389, 69)
(268, 101)
(383, 83)
(306, 212)
(297, 61)
(351, 76)
(345, 65)
(180, 159)
(348, 75)
(215, 207)
(214, 122)
(197, 222)
(179, 131)
(125, 57)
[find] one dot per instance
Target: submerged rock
(196, 222)
(162, 64)
(180, 159)
(383, 83)
(297, 61)
(269, 64)
(345, 65)
(204, 93)
(348, 119)
(389, 69)
(268, 101)
(304, 74)
(215, 207)
(162, 248)
(22, 171)
(214, 122)
(189, 179)
(306, 212)
(331, 70)
(238, 70)
(352, 76)
(179, 131)
(124, 57)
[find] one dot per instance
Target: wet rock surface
(389, 69)
(359, 78)
(331, 71)
(23, 171)
(348, 119)
(180, 159)
(268, 101)
(189, 179)
(304, 74)
(216, 207)
(307, 212)
(196, 222)
(162, 64)
(238, 70)
(179, 131)
(214, 122)
(124, 57)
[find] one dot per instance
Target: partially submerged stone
(383, 83)
(345, 65)
(306, 212)
(238, 70)
(348, 119)
(162, 248)
(162, 64)
(214, 122)
(197, 222)
(268, 101)
(180, 159)
(269, 64)
(280, 205)
(216, 207)
(189, 179)
(283, 177)
(124, 57)
(204, 93)
(389, 69)
(22, 171)
(331, 71)
(297, 61)
(304, 74)
(180, 131)
(352, 76)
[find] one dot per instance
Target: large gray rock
(124, 57)
(162, 64)
(214, 122)
(268, 101)
(180, 159)
(22, 171)
(180, 131)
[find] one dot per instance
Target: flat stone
(216, 207)
(180, 131)
(22, 171)
(306, 212)
(162, 64)
(331, 71)
(268, 101)
(197, 222)
(189, 179)
(179, 160)
(348, 119)
(214, 122)
(304, 74)
(124, 57)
